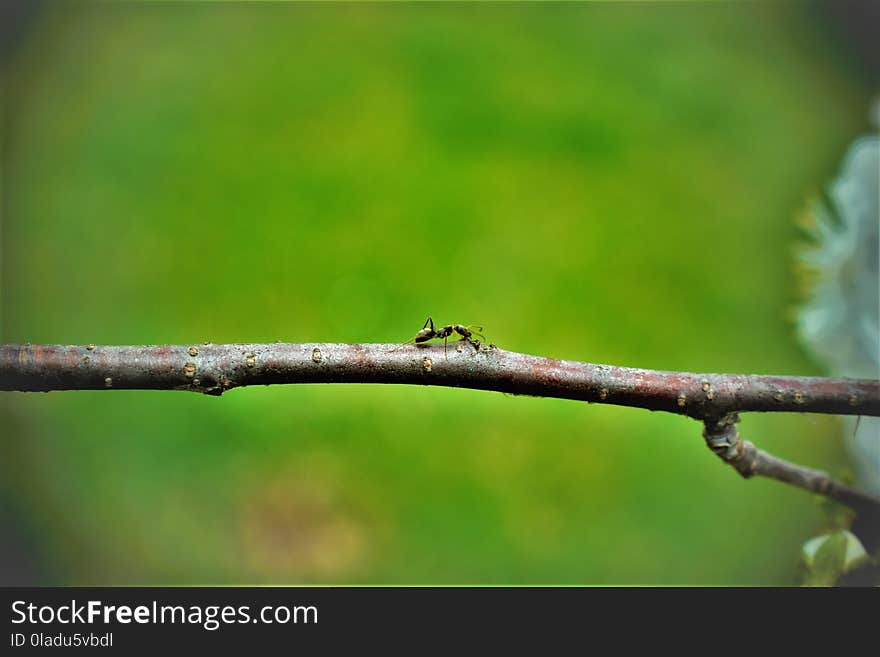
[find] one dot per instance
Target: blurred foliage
(612, 183)
(829, 556)
(840, 320)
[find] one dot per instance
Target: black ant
(429, 332)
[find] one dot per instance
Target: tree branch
(723, 438)
(213, 369)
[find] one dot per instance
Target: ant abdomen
(424, 335)
(430, 332)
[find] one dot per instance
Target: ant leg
(403, 344)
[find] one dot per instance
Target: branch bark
(714, 399)
(216, 368)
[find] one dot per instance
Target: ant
(429, 332)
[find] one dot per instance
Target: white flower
(840, 323)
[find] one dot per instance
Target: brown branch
(723, 438)
(213, 369)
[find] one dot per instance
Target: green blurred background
(612, 183)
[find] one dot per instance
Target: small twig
(213, 369)
(723, 438)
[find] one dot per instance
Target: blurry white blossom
(840, 322)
